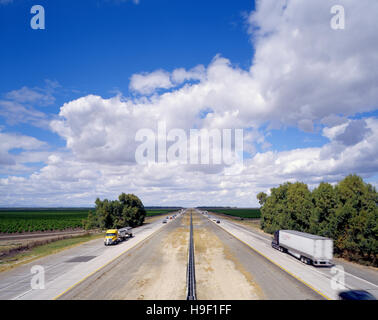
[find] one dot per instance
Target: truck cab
(111, 237)
(276, 242)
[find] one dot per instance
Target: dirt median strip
(163, 277)
(219, 275)
(155, 270)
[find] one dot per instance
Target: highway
(225, 269)
(355, 277)
(153, 270)
(64, 269)
(368, 274)
(231, 262)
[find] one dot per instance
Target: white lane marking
(22, 294)
(48, 268)
(317, 271)
(140, 230)
(58, 264)
(361, 279)
(249, 231)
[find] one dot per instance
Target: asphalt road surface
(155, 269)
(328, 281)
(65, 268)
(225, 269)
(231, 262)
(269, 281)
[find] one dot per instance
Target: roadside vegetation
(51, 219)
(346, 212)
(244, 213)
(31, 220)
(128, 210)
(158, 212)
(39, 249)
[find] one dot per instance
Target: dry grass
(37, 249)
(163, 276)
(219, 275)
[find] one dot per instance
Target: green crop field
(156, 212)
(242, 213)
(28, 220)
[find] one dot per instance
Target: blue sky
(95, 46)
(285, 79)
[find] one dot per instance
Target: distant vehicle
(309, 248)
(113, 236)
(164, 221)
(218, 221)
(356, 295)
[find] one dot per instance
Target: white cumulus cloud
(304, 74)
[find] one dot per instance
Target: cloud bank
(304, 74)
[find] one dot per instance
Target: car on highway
(218, 221)
(164, 221)
(356, 295)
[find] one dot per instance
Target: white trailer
(309, 248)
(125, 232)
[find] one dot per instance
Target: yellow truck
(113, 236)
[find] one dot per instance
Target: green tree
(133, 211)
(325, 200)
(128, 210)
(347, 213)
(103, 213)
(356, 220)
(91, 221)
(261, 196)
(274, 213)
(299, 206)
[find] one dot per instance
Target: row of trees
(128, 210)
(346, 212)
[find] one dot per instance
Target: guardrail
(190, 273)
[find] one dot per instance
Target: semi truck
(113, 236)
(308, 248)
